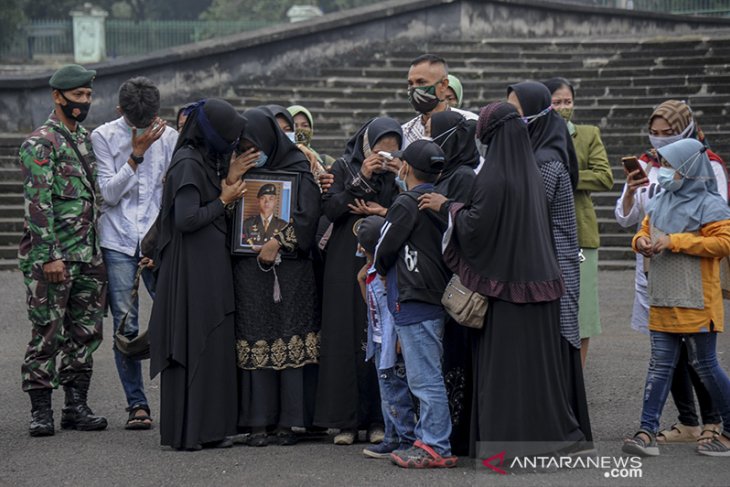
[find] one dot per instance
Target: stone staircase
(617, 85)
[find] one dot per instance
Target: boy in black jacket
(408, 255)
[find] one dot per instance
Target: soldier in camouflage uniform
(60, 257)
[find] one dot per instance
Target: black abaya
(191, 328)
(348, 396)
(278, 342)
(519, 383)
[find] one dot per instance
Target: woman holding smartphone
(671, 121)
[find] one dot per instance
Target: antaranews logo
(612, 467)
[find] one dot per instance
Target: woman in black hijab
(555, 157)
(283, 118)
(191, 328)
(277, 323)
(499, 244)
(348, 397)
(456, 135)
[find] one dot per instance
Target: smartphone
(631, 164)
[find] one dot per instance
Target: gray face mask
(482, 148)
(658, 142)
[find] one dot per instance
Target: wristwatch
(137, 159)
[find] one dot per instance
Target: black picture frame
(248, 232)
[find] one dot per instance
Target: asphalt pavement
(614, 376)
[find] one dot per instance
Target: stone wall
(209, 68)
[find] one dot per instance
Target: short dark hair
(139, 100)
(430, 59)
(424, 176)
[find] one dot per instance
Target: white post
(89, 34)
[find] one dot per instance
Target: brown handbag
(466, 307)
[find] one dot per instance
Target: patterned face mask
(423, 99)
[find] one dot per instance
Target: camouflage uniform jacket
(61, 207)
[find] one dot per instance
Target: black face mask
(423, 99)
(70, 106)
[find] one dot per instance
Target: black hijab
(212, 129)
(459, 146)
(500, 242)
(375, 129)
(549, 135)
(554, 84)
(280, 111)
(283, 155)
(359, 145)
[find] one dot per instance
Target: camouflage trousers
(66, 317)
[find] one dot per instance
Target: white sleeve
(721, 179)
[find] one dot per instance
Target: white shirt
(413, 130)
(131, 199)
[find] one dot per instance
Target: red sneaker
(421, 455)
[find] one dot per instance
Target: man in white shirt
(428, 86)
(133, 153)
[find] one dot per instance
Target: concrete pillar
(89, 34)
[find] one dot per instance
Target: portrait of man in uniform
(260, 228)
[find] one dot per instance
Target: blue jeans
(399, 415)
(665, 351)
(121, 269)
(422, 351)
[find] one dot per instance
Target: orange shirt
(711, 243)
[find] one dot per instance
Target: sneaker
(345, 437)
(376, 434)
(640, 447)
(421, 455)
(381, 450)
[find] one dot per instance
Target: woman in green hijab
(303, 133)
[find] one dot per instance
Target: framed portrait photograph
(264, 211)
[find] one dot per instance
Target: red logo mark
(488, 463)
(41, 163)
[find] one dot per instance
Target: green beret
(72, 76)
(266, 189)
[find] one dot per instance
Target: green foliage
(134, 9)
(11, 17)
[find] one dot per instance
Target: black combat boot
(41, 423)
(76, 413)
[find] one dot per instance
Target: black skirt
(520, 402)
(284, 398)
(458, 380)
(199, 406)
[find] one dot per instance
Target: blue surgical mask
(666, 180)
(400, 182)
(261, 161)
(292, 136)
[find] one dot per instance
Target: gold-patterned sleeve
(287, 238)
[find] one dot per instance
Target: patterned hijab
(679, 116)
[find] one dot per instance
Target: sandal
(714, 448)
(138, 421)
(710, 431)
(640, 447)
(678, 433)
(420, 455)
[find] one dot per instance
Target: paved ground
(614, 376)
